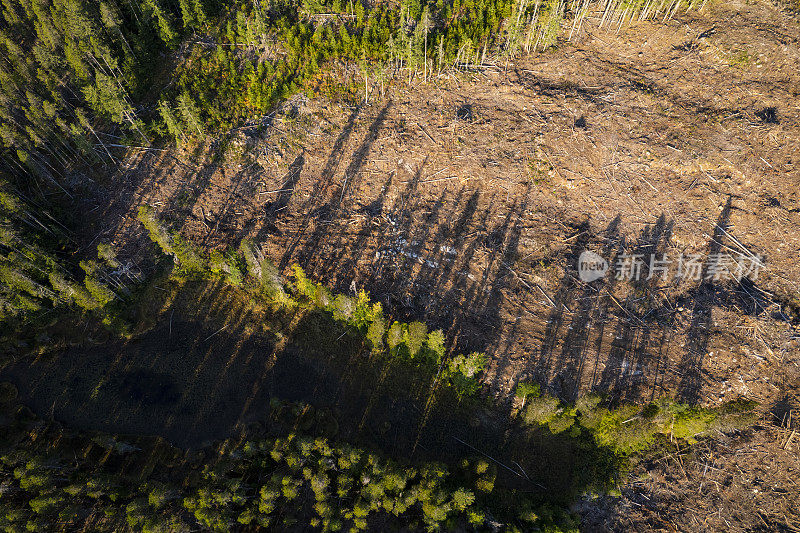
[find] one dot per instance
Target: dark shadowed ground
(212, 364)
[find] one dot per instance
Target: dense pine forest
(83, 83)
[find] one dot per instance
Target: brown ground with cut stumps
(745, 482)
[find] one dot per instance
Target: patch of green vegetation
(539, 172)
(227, 85)
(34, 281)
(740, 58)
(525, 390)
(630, 429)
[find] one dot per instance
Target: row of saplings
(410, 341)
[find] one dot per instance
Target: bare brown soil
(465, 201)
(746, 482)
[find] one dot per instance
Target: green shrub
(365, 312)
(45, 503)
(435, 346)
(527, 390)
(485, 484)
(305, 286)
(541, 410)
(343, 307)
(462, 371)
(395, 335)
(376, 332)
(34, 480)
(475, 517)
(265, 273)
(155, 230)
(735, 414)
(72, 292)
(690, 423)
(587, 403)
(159, 495)
(108, 254)
(226, 265)
(188, 258)
(324, 298)
(462, 499)
(631, 429)
(561, 422)
(415, 337)
(100, 293)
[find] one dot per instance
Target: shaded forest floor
(208, 364)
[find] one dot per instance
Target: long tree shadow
(440, 260)
(272, 208)
(563, 295)
(701, 322)
(487, 296)
(626, 325)
(132, 183)
(630, 364)
(450, 259)
(309, 209)
(329, 216)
